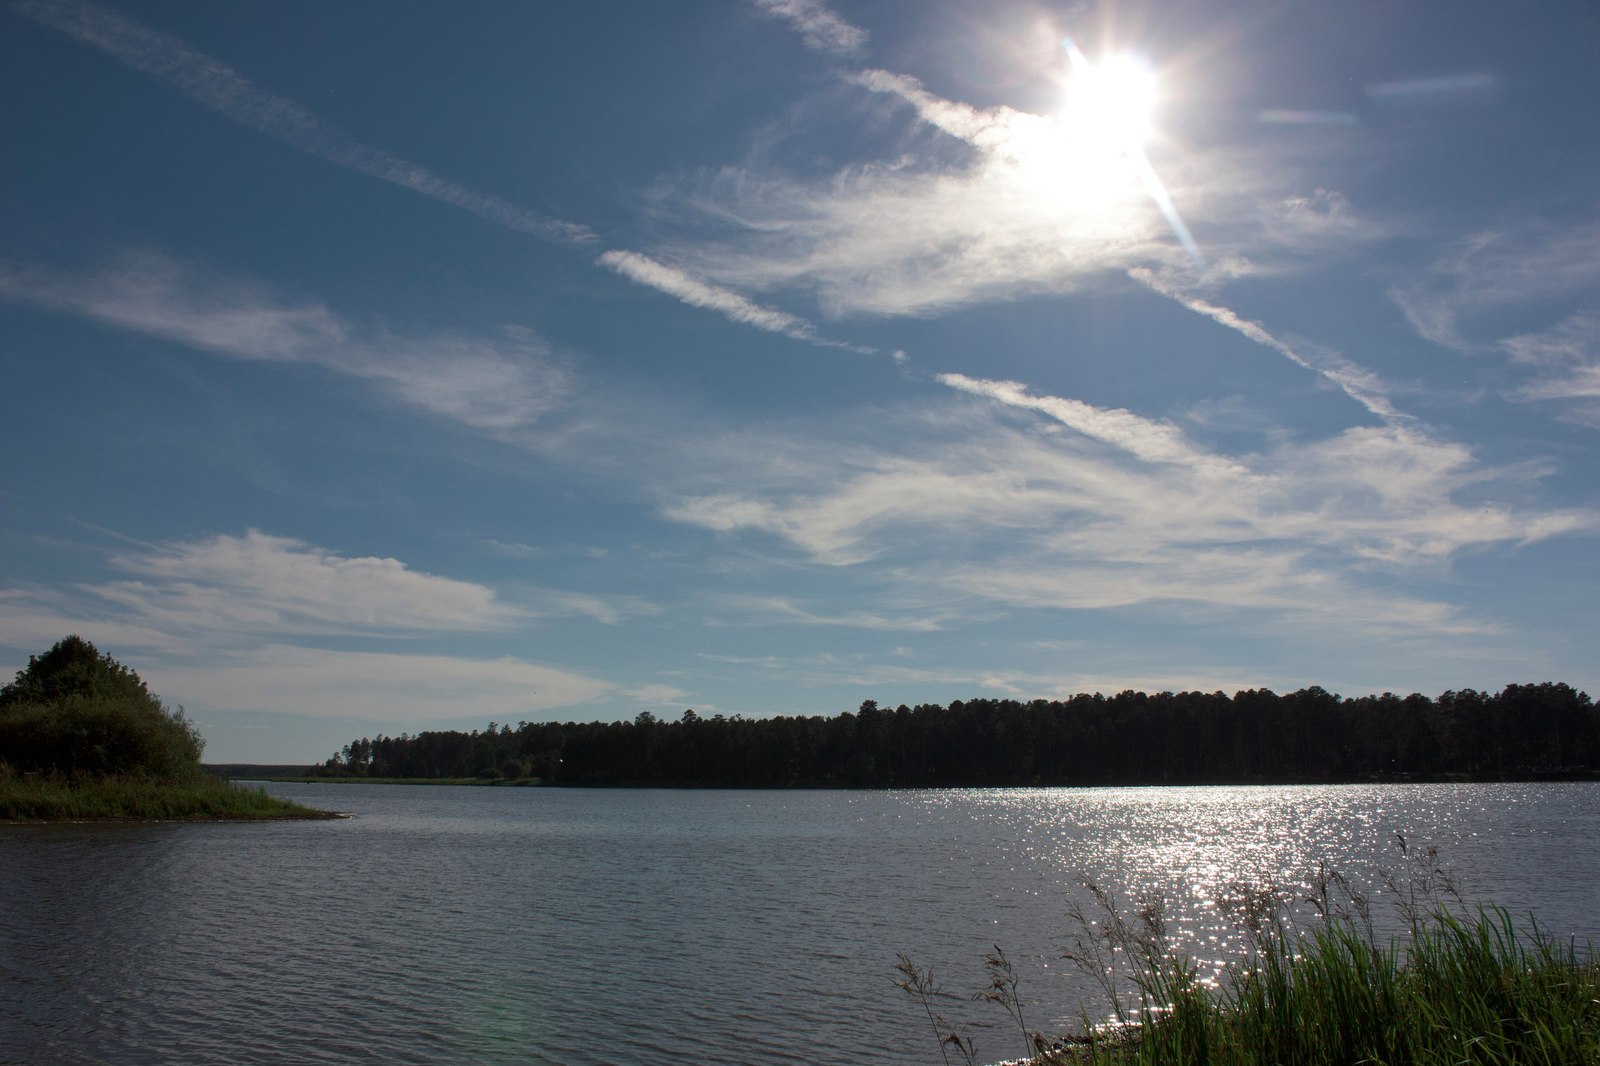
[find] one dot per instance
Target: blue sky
(375, 367)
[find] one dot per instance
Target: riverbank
(521, 782)
(1316, 985)
(201, 798)
(1464, 989)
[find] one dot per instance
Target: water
(503, 925)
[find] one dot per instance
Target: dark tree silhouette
(1256, 735)
(74, 710)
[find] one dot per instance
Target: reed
(1461, 985)
(191, 797)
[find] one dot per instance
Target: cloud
(853, 669)
(922, 232)
(1456, 300)
(724, 301)
(1574, 341)
(818, 26)
(863, 671)
(229, 623)
(258, 583)
(1526, 292)
(783, 610)
(1125, 512)
(488, 383)
(966, 204)
(656, 693)
(389, 688)
(1565, 361)
(1360, 384)
(513, 549)
(696, 293)
(212, 83)
(35, 619)
(861, 517)
(1148, 439)
(608, 610)
(1316, 221)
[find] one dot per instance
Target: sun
(1112, 102)
(1109, 114)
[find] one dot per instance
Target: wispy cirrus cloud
(818, 25)
(384, 687)
(868, 671)
(968, 204)
(1149, 439)
(1455, 300)
(1125, 512)
(1362, 385)
(657, 693)
(1539, 280)
(234, 623)
(259, 583)
(696, 292)
(925, 230)
(786, 610)
(495, 383)
(255, 585)
(1564, 362)
(213, 84)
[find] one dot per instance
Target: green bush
(76, 711)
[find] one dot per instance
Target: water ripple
(575, 927)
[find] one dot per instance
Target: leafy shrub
(74, 710)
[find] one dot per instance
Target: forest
(1546, 730)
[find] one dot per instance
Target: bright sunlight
(1112, 101)
(1109, 109)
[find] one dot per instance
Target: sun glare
(1108, 113)
(1112, 101)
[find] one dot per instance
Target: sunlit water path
(505, 925)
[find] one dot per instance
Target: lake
(518, 925)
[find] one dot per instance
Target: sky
(379, 366)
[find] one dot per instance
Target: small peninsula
(83, 739)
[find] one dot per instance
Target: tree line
(1256, 735)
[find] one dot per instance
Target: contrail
(695, 292)
(216, 85)
(1355, 381)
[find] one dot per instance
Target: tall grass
(192, 797)
(1317, 987)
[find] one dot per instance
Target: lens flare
(1111, 105)
(1113, 100)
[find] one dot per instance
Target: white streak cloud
(1495, 271)
(213, 84)
(1360, 384)
(259, 583)
(492, 384)
(696, 293)
(377, 686)
(1148, 439)
(1126, 512)
(782, 610)
(820, 28)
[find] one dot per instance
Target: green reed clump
(1461, 986)
(1460, 990)
(193, 797)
